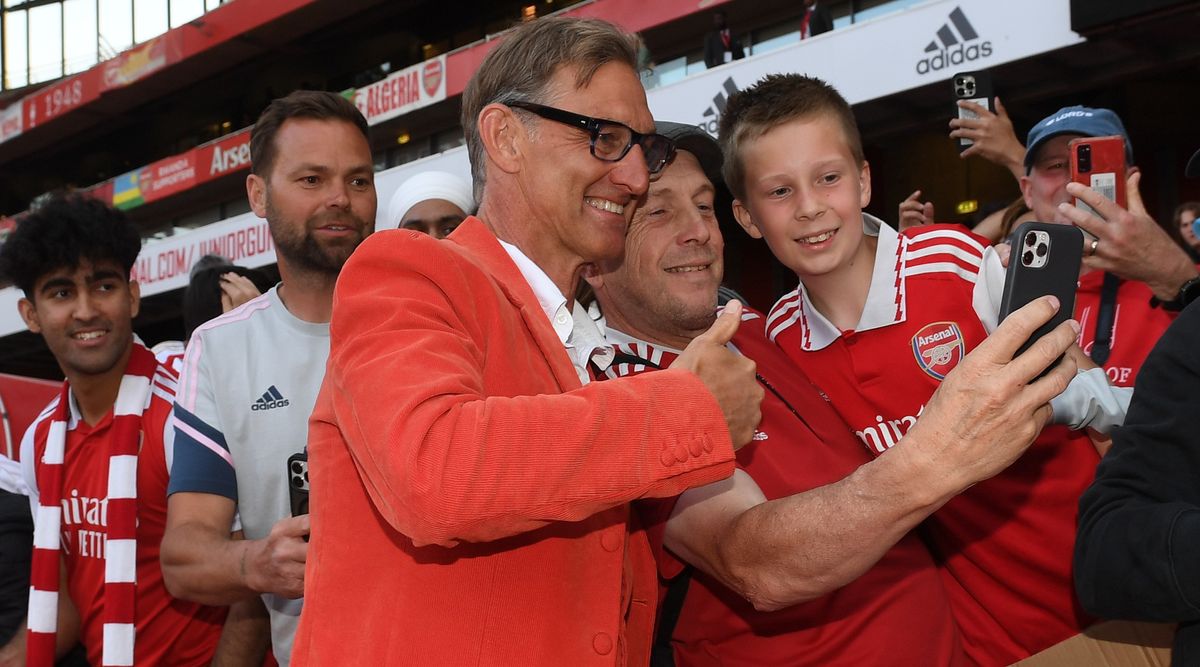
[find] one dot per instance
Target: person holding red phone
(1133, 275)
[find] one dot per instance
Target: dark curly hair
(64, 231)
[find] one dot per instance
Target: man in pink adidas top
(107, 430)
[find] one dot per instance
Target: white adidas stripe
(943, 267)
(772, 333)
(974, 259)
(947, 234)
(783, 307)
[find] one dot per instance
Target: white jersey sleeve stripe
(972, 258)
(943, 267)
(953, 235)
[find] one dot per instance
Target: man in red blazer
(470, 485)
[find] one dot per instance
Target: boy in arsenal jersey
(97, 459)
(878, 321)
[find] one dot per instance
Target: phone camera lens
(1030, 239)
(1027, 257)
(1042, 249)
(298, 482)
(296, 467)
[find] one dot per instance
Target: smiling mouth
(819, 238)
(605, 205)
(688, 269)
(88, 335)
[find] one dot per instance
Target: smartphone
(297, 475)
(1045, 260)
(1099, 163)
(973, 87)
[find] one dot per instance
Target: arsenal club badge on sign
(938, 347)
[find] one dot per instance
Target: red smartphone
(1099, 163)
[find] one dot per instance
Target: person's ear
(135, 298)
(1027, 191)
(29, 314)
(503, 136)
(256, 192)
(743, 217)
(864, 180)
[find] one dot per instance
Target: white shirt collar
(582, 339)
(885, 303)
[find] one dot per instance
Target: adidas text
(964, 53)
(954, 43)
(271, 398)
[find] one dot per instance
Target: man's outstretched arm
(787, 551)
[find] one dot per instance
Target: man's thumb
(1134, 194)
(727, 324)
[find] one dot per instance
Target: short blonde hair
(772, 101)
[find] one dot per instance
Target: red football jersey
(1136, 326)
(1005, 543)
(169, 631)
(895, 613)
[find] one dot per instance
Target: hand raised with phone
(989, 409)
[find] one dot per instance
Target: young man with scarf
(97, 459)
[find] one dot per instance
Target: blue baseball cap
(1084, 121)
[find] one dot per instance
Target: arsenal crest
(431, 77)
(938, 347)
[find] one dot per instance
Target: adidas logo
(956, 42)
(271, 398)
(712, 115)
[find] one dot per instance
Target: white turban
(425, 186)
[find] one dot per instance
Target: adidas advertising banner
(925, 44)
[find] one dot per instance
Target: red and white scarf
(120, 555)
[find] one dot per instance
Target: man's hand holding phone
(992, 135)
(1127, 242)
(993, 404)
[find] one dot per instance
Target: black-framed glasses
(611, 140)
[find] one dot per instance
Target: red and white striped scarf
(120, 555)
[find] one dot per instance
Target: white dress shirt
(582, 339)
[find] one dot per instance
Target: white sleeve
(27, 470)
(168, 439)
(989, 288)
(1090, 401)
(12, 477)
